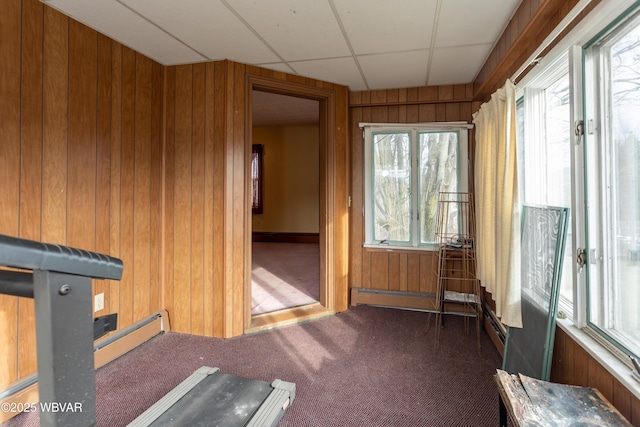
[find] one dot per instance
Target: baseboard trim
(25, 391)
(262, 236)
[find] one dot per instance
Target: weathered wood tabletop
(532, 402)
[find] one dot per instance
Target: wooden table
(532, 402)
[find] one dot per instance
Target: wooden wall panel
(573, 365)
(219, 194)
(356, 164)
(169, 191)
(208, 306)
(181, 316)
(115, 166)
(239, 228)
(103, 162)
(75, 133)
(156, 206)
(127, 177)
(197, 190)
(228, 244)
(142, 188)
(81, 141)
(380, 270)
(339, 217)
(31, 171)
(10, 20)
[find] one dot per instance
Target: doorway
(332, 172)
(285, 187)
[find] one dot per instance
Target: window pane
(615, 294)
(546, 158)
(438, 172)
(391, 187)
(558, 164)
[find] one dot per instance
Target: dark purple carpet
(367, 366)
(284, 275)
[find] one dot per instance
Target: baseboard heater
(393, 299)
(210, 398)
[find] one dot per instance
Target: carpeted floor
(284, 275)
(367, 366)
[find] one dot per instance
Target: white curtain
(497, 204)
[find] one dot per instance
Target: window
(256, 178)
(405, 170)
(612, 103)
(545, 153)
(589, 83)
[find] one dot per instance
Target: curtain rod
(566, 21)
(434, 125)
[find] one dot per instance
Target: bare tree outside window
(406, 169)
(392, 187)
(438, 173)
(437, 153)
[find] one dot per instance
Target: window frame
(599, 20)
(531, 96)
(597, 176)
(414, 130)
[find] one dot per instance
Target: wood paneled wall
(532, 22)
(396, 270)
(106, 150)
(573, 365)
(80, 161)
(198, 179)
(207, 215)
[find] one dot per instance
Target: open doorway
(285, 267)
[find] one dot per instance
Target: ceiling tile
(397, 70)
(208, 27)
(392, 40)
(457, 65)
(387, 26)
(343, 71)
(119, 23)
(464, 22)
(296, 29)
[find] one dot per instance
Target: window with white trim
(579, 146)
(406, 167)
(544, 155)
(612, 107)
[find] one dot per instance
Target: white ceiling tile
(464, 22)
(397, 70)
(296, 29)
(119, 23)
(392, 40)
(343, 71)
(387, 26)
(208, 27)
(457, 65)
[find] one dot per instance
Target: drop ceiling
(362, 44)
